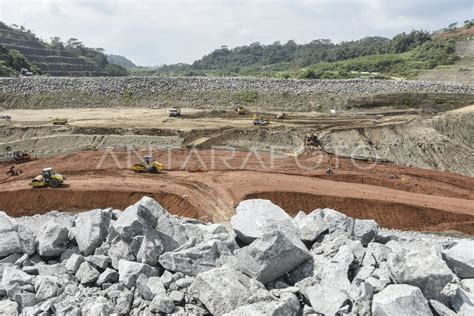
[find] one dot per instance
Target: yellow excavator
(48, 178)
(20, 156)
(148, 165)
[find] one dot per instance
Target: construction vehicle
(48, 178)
(59, 121)
(175, 112)
(311, 140)
(260, 121)
(6, 118)
(11, 172)
(25, 73)
(240, 110)
(148, 165)
(20, 156)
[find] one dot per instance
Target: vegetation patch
(247, 96)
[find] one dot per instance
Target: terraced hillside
(55, 60)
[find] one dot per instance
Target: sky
(155, 32)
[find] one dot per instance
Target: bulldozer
(48, 178)
(20, 156)
(260, 121)
(59, 121)
(148, 165)
(240, 110)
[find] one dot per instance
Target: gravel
(142, 86)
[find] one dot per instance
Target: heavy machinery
(260, 121)
(312, 140)
(175, 112)
(12, 172)
(148, 165)
(20, 156)
(241, 110)
(59, 121)
(6, 118)
(25, 73)
(48, 178)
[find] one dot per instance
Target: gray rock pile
(143, 86)
(145, 261)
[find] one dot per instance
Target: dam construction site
(236, 196)
(397, 152)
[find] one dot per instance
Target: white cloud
(154, 32)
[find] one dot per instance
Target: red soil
(209, 184)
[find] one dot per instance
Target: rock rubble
(145, 261)
(143, 86)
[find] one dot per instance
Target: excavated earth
(208, 184)
(408, 147)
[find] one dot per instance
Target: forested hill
(405, 54)
(21, 48)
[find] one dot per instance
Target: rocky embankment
(144, 261)
(289, 95)
(145, 85)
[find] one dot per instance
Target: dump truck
(175, 112)
(20, 156)
(48, 178)
(148, 165)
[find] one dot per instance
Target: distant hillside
(405, 55)
(121, 61)
(21, 48)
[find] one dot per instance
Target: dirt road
(208, 184)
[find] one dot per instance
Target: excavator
(148, 165)
(48, 178)
(260, 121)
(20, 156)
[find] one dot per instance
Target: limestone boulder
(311, 226)
(255, 218)
(224, 289)
(86, 273)
(422, 269)
(14, 237)
(129, 272)
(199, 258)
(91, 229)
(326, 300)
(365, 230)
(52, 239)
(400, 299)
(460, 258)
(271, 256)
